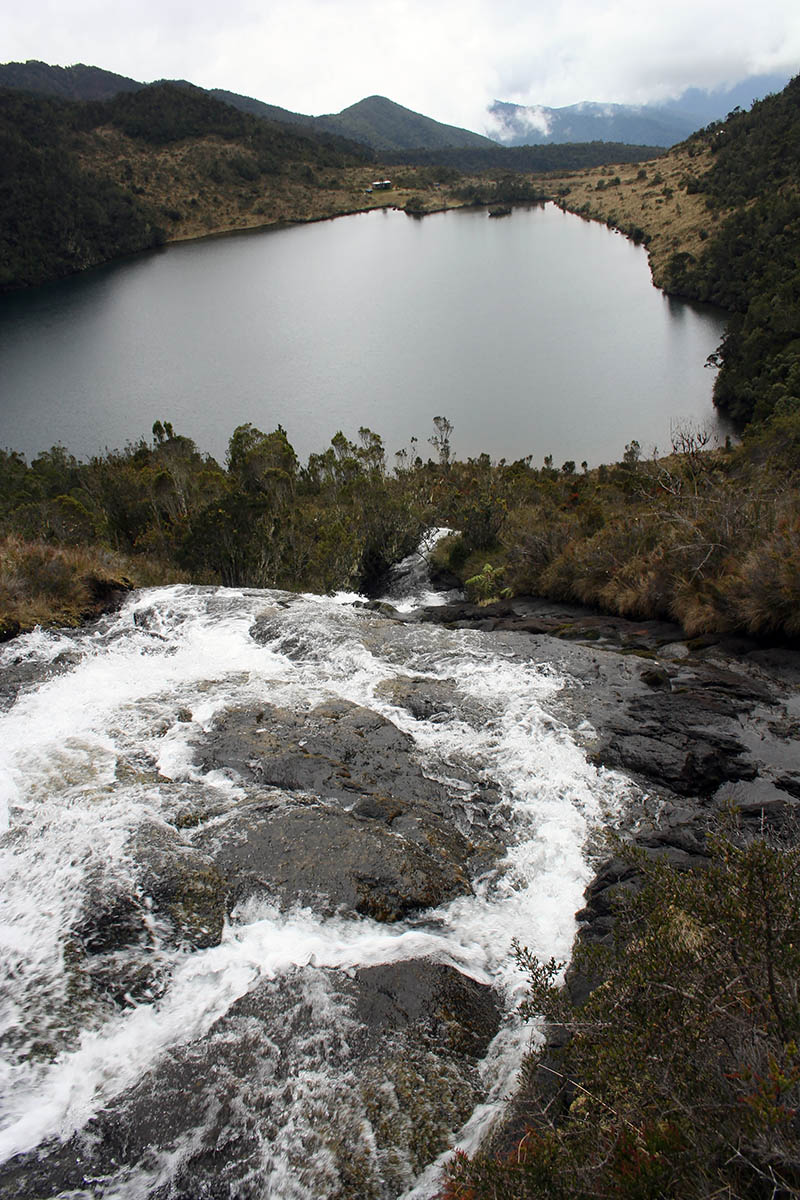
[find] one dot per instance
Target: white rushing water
(99, 744)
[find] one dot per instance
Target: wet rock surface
(697, 723)
(337, 811)
(707, 727)
(173, 896)
(347, 818)
(394, 1048)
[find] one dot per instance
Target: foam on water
(409, 581)
(101, 748)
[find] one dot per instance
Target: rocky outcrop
(376, 1069)
(708, 727)
(172, 895)
(698, 723)
(334, 807)
(341, 814)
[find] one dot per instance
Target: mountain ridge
(386, 126)
(374, 121)
(664, 124)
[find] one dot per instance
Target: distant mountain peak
(384, 124)
(654, 124)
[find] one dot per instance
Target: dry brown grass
(45, 584)
(188, 184)
(705, 538)
(657, 204)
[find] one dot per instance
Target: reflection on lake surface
(539, 334)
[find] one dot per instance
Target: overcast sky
(445, 58)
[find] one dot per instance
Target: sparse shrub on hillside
(708, 538)
(681, 1075)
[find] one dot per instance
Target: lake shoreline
(328, 325)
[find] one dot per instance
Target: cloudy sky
(446, 58)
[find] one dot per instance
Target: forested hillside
(574, 156)
(56, 217)
(751, 264)
(81, 181)
(77, 82)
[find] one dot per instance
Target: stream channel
(265, 857)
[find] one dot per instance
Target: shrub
(681, 1075)
(486, 586)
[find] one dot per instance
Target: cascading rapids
(100, 756)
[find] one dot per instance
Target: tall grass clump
(46, 584)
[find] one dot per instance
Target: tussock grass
(707, 538)
(46, 584)
(651, 202)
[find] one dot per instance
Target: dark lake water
(536, 334)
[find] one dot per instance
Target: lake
(538, 334)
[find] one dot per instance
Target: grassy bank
(649, 202)
(47, 584)
(709, 537)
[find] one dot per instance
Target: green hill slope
(56, 217)
(258, 108)
(384, 125)
(751, 264)
(71, 193)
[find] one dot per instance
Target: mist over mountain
(653, 124)
(385, 126)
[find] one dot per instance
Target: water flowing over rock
(356, 827)
(265, 857)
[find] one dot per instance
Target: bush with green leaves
(680, 1076)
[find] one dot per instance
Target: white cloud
(447, 59)
(533, 119)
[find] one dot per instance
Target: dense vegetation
(57, 216)
(751, 265)
(566, 156)
(77, 82)
(165, 509)
(711, 539)
(681, 1074)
